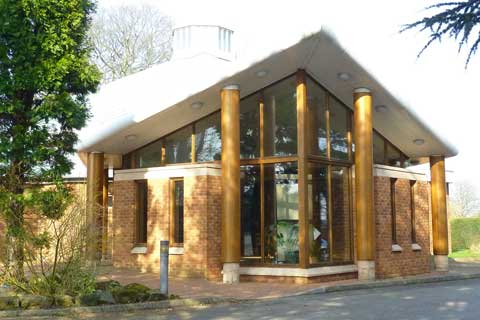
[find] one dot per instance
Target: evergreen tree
(45, 78)
(458, 19)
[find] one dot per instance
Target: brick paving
(200, 288)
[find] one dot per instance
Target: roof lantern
(192, 40)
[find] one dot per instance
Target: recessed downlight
(262, 73)
(381, 108)
(196, 105)
(419, 142)
(344, 76)
(131, 137)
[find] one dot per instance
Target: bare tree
(128, 39)
(465, 201)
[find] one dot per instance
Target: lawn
(464, 254)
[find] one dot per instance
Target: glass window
(393, 205)
(281, 213)
(341, 219)
(394, 157)
(280, 119)
(127, 161)
(339, 128)
(250, 213)
(208, 142)
(317, 124)
(141, 212)
(250, 128)
(318, 213)
(177, 212)
(149, 156)
(378, 148)
(178, 146)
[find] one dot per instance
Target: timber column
(365, 219)
(230, 113)
(95, 204)
(439, 212)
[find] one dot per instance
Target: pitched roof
(154, 102)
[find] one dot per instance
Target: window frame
(138, 237)
(393, 209)
(172, 224)
(413, 231)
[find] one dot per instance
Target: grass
(464, 254)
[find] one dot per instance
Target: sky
(437, 84)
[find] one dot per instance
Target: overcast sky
(437, 84)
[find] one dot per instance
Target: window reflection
(318, 213)
(250, 128)
(178, 146)
(378, 148)
(339, 127)
(150, 155)
(341, 222)
(280, 119)
(281, 213)
(208, 143)
(250, 213)
(317, 124)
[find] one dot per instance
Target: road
(447, 300)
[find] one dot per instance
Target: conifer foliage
(459, 20)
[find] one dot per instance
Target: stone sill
(175, 250)
(139, 250)
(297, 272)
(416, 247)
(396, 248)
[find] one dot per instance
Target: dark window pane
(378, 149)
(317, 125)
(208, 142)
(141, 208)
(394, 158)
(250, 127)
(149, 156)
(318, 213)
(280, 119)
(281, 213)
(250, 213)
(339, 129)
(341, 219)
(178, 211)
(127, 161)
(178, 146)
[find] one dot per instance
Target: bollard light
(164, 248)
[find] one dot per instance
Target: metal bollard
(164, 247)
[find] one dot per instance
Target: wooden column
(95, 182)
(230, 114)
(365, 219)
(439, 212)
(302, 143)
(105, 254)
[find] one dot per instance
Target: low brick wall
(201, 257)
(408, 262)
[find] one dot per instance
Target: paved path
(448, 300)
(200, 288)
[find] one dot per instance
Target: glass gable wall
(270, 208)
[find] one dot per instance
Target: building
(292, 167)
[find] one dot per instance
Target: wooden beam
(439, 206)
(302, 143)
(230, 123)
(95, 182)
(365, 219)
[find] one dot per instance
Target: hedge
(465, 233)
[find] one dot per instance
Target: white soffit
(157, 101)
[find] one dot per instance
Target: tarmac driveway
(447, 300)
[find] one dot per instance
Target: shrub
(55, 256)
(465, 233)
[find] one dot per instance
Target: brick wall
(201, 257)
(407, 262)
